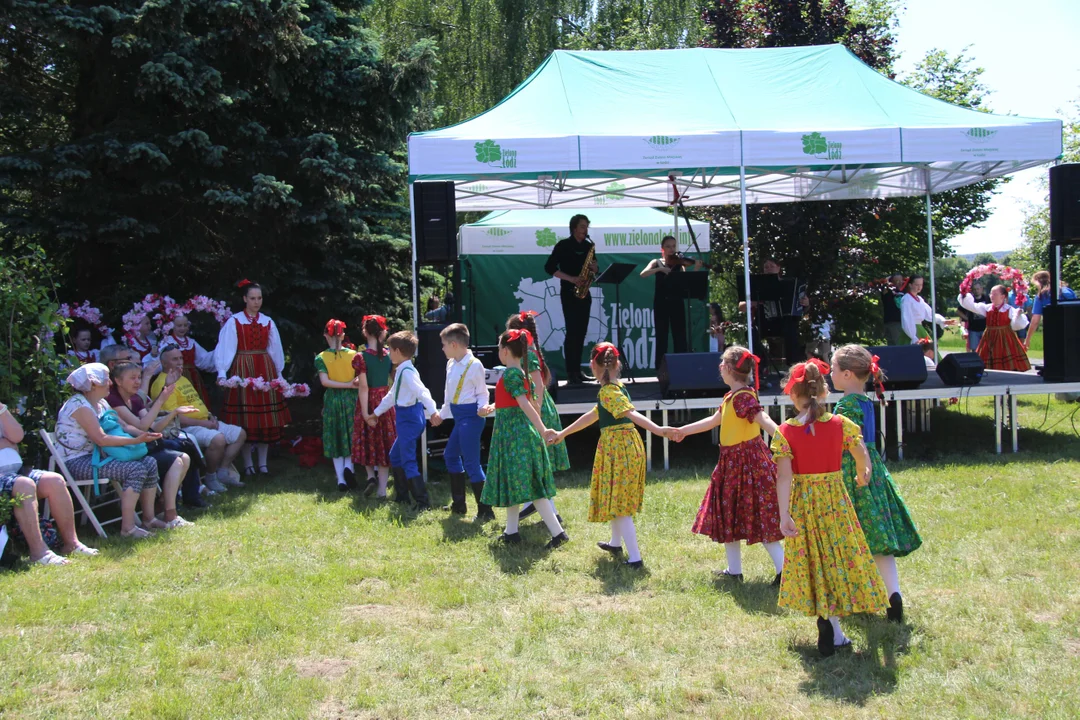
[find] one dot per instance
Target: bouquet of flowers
(287, 390)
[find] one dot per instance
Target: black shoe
(727, 575)
(372, 486)
(531, 510)
(825, 644)
(560, 539)
(419, 491)
(895, 613)
(350, 479)
(457, 494)
(483, 512)
(607, 547)
(401, 486)
(777, 579)
(511, 539)
(634, 564)
(342, 487)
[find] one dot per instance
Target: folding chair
(83, 490)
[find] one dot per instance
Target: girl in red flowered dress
(1000, 348)
(373, 436)
(249, 347)
(740, 502)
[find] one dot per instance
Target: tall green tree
(180, 145)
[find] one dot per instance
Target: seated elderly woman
(79, 432)
(32, 486)
(173, 465)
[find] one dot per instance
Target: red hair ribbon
(377, 318)
(925, 342)
(243, 283)
(335, 327)
(903, 285)
(798, 373)
(518, 334)
(875, 373)
(603, 348)
(524, 315)
(757, 364)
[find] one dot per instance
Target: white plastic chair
(83, 490)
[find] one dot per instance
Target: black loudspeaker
(1061, 342)
(436, 222)
(430, 361)
(1065, 203)
(903, 365)
(690, 375)
(958, 369)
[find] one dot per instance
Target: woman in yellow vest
(740, 503)
(335, 368)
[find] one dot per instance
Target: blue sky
(1028, 50)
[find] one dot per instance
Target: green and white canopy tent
(722, 127)
(503, 255)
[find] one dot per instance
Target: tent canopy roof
(806, 123)
(598, 218)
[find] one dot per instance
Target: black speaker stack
(1061, 320)
(691, 375)
(436, 235)
(430, 361)
(903, 365)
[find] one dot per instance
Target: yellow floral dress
(618, 475)
(828, 569)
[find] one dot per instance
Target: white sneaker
(215, 486)
(231, 472)
(226, 478)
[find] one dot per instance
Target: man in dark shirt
(890, 310)
(567, 259)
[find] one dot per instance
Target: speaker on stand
(961, 369)
(1061, 320)
(691, 375)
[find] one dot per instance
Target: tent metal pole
(412, 264)
(930, 250)
(746, 259)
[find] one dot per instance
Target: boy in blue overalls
(464, 400)
(413, 405)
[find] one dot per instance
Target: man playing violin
(669, 312)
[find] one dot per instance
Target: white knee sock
(886, 565)
(245, 454)
(544, 507)
(384, 474)
(263, 449)
(371, 469)
(512, 513)
(349, 464)
(734, 557)
(629, 533)
(339, 470)
(776, 552)
(616, 533)
(837, 631)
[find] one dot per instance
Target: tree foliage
(180, 145)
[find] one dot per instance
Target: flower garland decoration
(88, 313)
(199, 303)
(286, 389)
(152, 306)
(1006, 273)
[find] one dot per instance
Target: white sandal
(51, 558)
(137, 532)
(81, 549)
(177, 522)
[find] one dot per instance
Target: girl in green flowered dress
(890, 532)
(519, 469)
(336, 374)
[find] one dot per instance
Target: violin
(681, 260)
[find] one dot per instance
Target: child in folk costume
(196, 357)
(373, 436)
(914, 311)
(465, 397)
(740, 502)
(540, 376)
(886, 523)
(249, 347)
(81, 353)
(143, 343)
(618, 474)
(519, 468)
(1000, 348)
(412, 405)
(829, 571)
(336, 373)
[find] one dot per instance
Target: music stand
(614, 274)
(692, 286)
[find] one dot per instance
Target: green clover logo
(487, 151)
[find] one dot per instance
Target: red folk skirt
(371, 445)
(740, 503)
(1000, 349)
(263, 415)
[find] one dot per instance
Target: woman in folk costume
(914, 311)
(336, 373)
(249, 347)
(1000, 348)
(373, 436)
(143, 343)
(196, 357)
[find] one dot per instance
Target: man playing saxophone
(567, 263)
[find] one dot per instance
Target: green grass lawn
(290, 600)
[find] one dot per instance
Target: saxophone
(586, 274)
